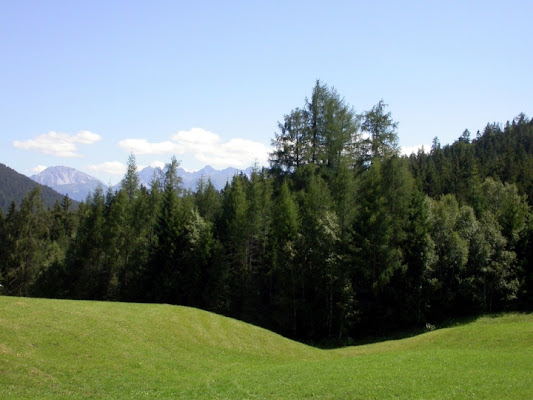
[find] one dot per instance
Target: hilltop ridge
(15, 186)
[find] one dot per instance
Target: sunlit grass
(77, 349)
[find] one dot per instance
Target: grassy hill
(77, 349)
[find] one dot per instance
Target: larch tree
(381, 134)
(322, 133)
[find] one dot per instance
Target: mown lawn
(53, 349)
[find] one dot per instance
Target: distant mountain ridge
(190, 179)
(78, 185)
(218, 178)
(66, 180)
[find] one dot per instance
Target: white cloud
(109, 167)
(157, 164)
(58, 144)
(240, 153)
(408, 150)
(38, 169)
(142, 146)
(86, 137)
(196, 138)
(206, 147)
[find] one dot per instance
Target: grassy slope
(74, 349)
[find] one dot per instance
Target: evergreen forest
(341, 237)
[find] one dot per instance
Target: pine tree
(234, 231)
(375, 251)
(52, 276)
(286, 296)
(130, 182)
(28, 244)
(382, 141)
(318, 254)
(259, 218)
(207, 200)
(290, 143)
(417, 286)
(118, 237)
(86, 272)
(165, 269)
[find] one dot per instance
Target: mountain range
(78, 185)
(190, 179)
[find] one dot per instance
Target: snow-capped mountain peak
(60, 175)
(66, 180)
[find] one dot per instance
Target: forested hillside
(503, 153)
(14, 187)
(340, 237)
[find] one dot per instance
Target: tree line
(341, 237)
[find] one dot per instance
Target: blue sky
(84, 83)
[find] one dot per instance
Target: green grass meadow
(54, 349)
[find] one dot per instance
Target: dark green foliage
(208, 200)
(373, 233)
(87, 275)
(341, 238)
(503, 154)
(383, 200)
(319, 258)
(165, 266)
(50, 280)
(414, 301)
(285, 294)
(26, 245)
(234, 232)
